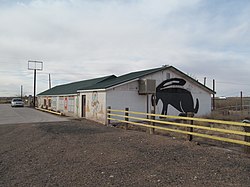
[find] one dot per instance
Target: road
(9, 115)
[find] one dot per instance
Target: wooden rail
(139, 119)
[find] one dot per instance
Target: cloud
(85, 39)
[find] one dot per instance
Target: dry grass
(229, 115)
(5, 100)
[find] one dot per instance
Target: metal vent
(147, 86)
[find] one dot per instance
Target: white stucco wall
(54, 101)
(95, 108)
(77, 105)
(127, 95)
(64, 104)
(68, 105)
(39, 101)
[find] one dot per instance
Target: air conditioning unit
(147, 86)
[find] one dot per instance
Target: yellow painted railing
(142, 119)
(50, 111)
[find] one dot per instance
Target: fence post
(247, 139)
(126, 118)
(153, 100)
(190, 129)
(108, 116)
(152, 130)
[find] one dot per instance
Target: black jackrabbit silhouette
(180, 98)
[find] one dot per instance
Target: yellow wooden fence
(161, 122)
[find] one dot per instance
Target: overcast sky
(83, 39)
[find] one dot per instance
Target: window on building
(44, 102)
(167, 76)
(71, 104)
(49, 102)
(54, 102)
(61, 103)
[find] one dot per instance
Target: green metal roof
(71, 88)
(110, 81)
(122, 79)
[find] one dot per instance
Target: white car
(17, 102)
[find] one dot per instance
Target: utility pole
(205, 81)
(34, 97)
(35, 65)
(213, 94)
(21, 91)
(49, 82)
(241, 102)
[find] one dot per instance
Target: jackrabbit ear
(173, 81)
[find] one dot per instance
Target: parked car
(15, 102)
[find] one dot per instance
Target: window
(71, 104)
(61, 103)
(49, 102)
(167, 76)
(54, 103)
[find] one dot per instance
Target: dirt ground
(82, 153)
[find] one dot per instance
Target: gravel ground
(82, 153)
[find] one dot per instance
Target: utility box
(147, 86)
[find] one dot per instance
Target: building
(175, 94)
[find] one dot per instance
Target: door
(84, 106)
